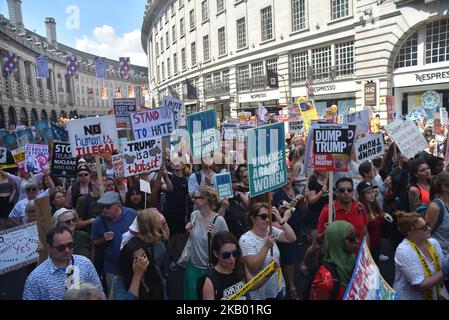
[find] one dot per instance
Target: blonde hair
(148, 222)
(210, 195)
(407, 221)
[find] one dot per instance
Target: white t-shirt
(251, 244)
(409, 271)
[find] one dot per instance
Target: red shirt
(322, 286)
(356, 216)
(375, 232)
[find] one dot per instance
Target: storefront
(270, 100)
(222, 107)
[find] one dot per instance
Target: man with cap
(17, 214)
(80, 187)
(107, 231)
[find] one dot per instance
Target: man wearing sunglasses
(17, 214)
(345, 208)
(61, 271)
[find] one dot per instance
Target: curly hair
(407, 221)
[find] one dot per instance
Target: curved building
(25, 99)
(352, 53)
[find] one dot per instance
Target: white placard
(360, 119)
(145, 186)
(407, 136)
(369, 147)
(152, 123)
(3, 155)
(142, 156)
(179, 110)
(93, 136)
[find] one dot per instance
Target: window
(175, 63)
(258, 75)
(166, 16)
(183, 58)
(272, 64)
(205, 10)
(160, 23)
(221, 41)
(299, 63)
(408, 54)
(162, 44)
(193, 53)
(192, 19)
(220, 5)
(181, 27)
(157, 49)
(173, 33)
(206, 48)
(321, 61)
(241, 33)
(266, 23)
(208, 86)
(340, 9)
(167, 40)
(181, 4)
(344, 59)
(168, 68)
(172, 8)
(298, 15)
(243, 78)
(163, 72)
(225, 81)
(437, 41)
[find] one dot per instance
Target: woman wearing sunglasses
(256, 245)
(418, 260)
(228, 275)
(340, 246)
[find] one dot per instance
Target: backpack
(333, 270)
(189, 202)
(212, 275)
(423, 208)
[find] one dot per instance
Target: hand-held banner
(407, 136)
(37, 157)
(204, 138)
(153, 123)
(223, 185)
(122, 109)
(369, 147)
(143, 156)
(63, 164)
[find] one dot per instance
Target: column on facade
(233, 91)
(285, 92)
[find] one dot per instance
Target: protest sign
(3, 155)
(366, 281)
(179, 110)
(152, 123)
(44, 223)
(37, 157)
(307, 110)
(407, 137)
(93, 136)
(369, 147)
(444, 117)
(223, 185)
(122, 109)
(145, 186)
(62, 162)
(332, 146)
(142, 156)
(233, 142)
(203, 133)
(18, 247)
(360, 119)
(19, 158)
(44, 134)
(267, 164)
(118, 165)
(437, 128)
(296, 126)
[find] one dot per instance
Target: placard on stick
(44, 223)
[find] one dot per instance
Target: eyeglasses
(196, 198)
(74, 220)
(352, 238)
(264, 216)
(62, 247)
(227, 255)
(83, 174)
(348, 190)
(426, 227)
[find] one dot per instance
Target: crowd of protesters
(116, 242)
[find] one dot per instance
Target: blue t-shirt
(112, 252)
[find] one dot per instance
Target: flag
(9, 62)
(117, 93)
(124, 67)
(191, 91)
(262, 112)
(101, 69)
(104, 93)
(59, 133)
(173, 93)
(272, 78)
(131, 93)
(41, 67)
(72, 67)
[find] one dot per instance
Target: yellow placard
(307, 110)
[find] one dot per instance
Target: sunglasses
(352, 238)
(62, 247)
(425, 227)
(348, 190)
(31, 189)
(83, 174)
(74, 220)
(264, 216)
(196, 198)
(227, 255)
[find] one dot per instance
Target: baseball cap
(365, 186)
(83, 167)
(109, 198)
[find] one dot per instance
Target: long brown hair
(372, 209)
(148, 221)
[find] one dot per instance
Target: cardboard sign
(142, 156)
(369, 147)
(44, 223)
(3, 155)
(179, 110)
(204, 138)
(267, 163)
(332, 146)
(145, 186)
(407, 137)
(19, 158)
(37, 157)
(63, 164)
(122, 109)
(296, 126)
(93, 136)
(360, 119)
(118, 165)
(223, 185)
(366, 281)
(18, 247)
(152, 123)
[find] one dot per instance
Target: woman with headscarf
(340, 245)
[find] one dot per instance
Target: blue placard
(203, 133)
(223, 185)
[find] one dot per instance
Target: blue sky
(110, 28)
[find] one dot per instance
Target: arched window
(53, 116)
(12, 117)
(23, 117)
(44, 115)
(2, 118)
(33, 116)
(408, 54)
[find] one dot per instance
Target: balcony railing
(218, 89)
(255, 83)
